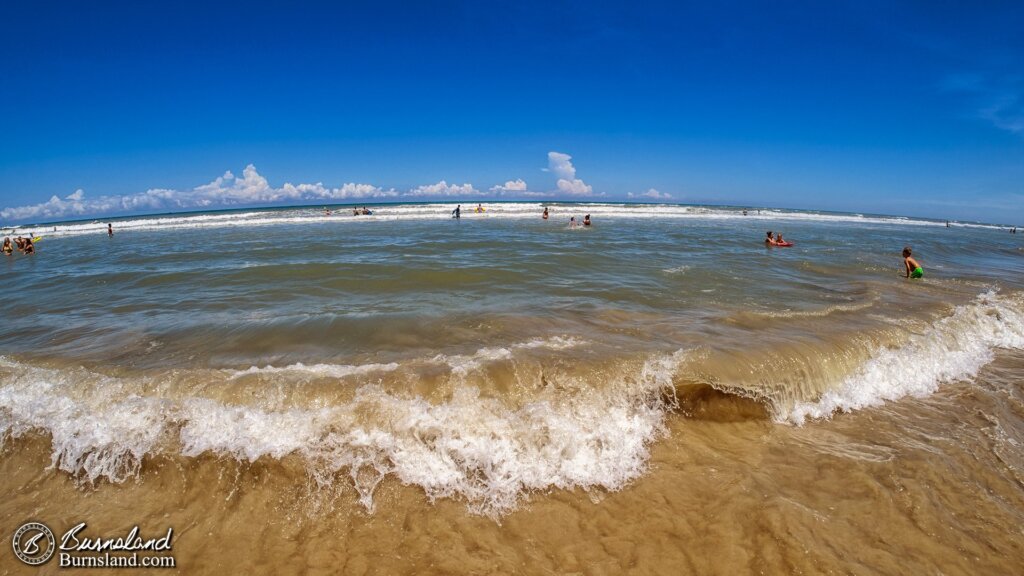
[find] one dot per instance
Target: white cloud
(225, 190)
(575, 187)
(561, 165)
(443, 188)
(252, 188)
(510, 187)
(652, 194)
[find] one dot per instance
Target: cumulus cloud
(443, 188)
(251, 188)
(561, 166)
(510, 187)
(225, 190)
(652, 194)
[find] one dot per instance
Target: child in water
(913, 268)
(586, 220)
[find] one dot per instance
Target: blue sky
(907, 108)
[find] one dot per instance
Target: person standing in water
(586, 220)
(110, 229)
(912, 267)
(769, 241)
(457, 213)
(8, 249)
(545, 215)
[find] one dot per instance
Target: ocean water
(503, 393)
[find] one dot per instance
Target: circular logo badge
(33, 543)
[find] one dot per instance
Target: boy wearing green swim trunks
(913, 269)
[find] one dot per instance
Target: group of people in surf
(23, 245)
(573, 222)
(778, 240)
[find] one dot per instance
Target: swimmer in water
(768, 239)
(30, 248)
(545, 216)
(8, 249)
(19, 243)
(479, 208)
(572, 222)
(110, 229)
(912, 267)
(586, 220)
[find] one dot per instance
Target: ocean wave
(442, 211)
(952, 349)
(487, 451)
(469, 447)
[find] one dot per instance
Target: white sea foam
(470, 447)
(462, 364)
(442, 211)
(318, 370)
(952, 349)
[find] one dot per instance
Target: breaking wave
(469, 447)
(496, 210)
(952, 349)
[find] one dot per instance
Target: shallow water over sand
(405, 393)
